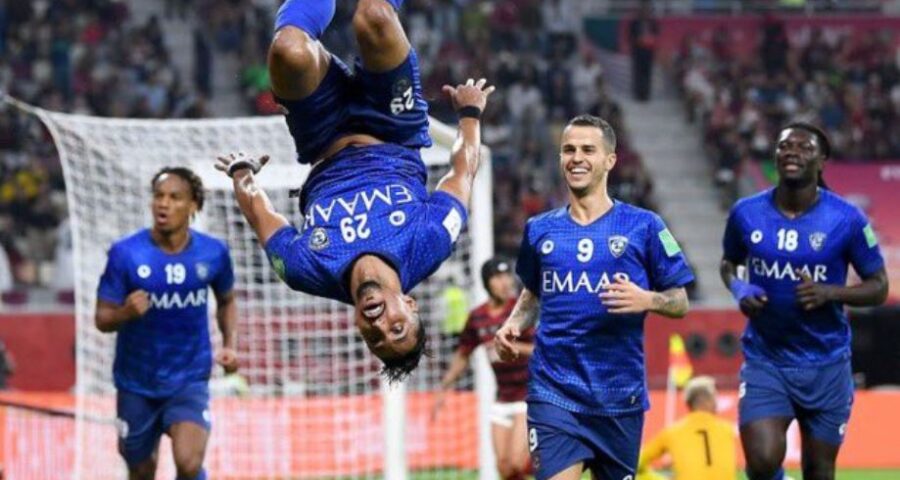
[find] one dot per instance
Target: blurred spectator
(846, 82)
(642, 33)
(7, 366)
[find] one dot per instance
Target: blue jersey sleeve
(113, 286)
(668, 268)
(528, 266)
(733, 248)
(224, 281)
(863, 251)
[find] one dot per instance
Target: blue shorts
(142, 420)
(558, 439)
(387, 105)
(819, 398)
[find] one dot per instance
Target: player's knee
(292, 50)
(373, 21)
(762, 468)
(505, 467)
(189, 465)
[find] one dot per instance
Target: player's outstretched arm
(623, 296)
(457, 367)
(251, 198)
(469, 101)
(523, 317)
(110, 317)
(871, 292)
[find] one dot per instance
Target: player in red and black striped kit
(508, 417)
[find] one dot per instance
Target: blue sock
(779, 475)
(311, 16)
(200, 476)
(396, 3)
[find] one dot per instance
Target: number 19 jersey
(821, 243)
(587, 360)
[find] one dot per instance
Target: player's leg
(139, 429)
(765, 412)
(382, 42)
(188, 449)
(510, 439)
(297, 60)
(825, 402)
(558, 449)
(765, 444)
(819, 457)
(616, 442)
(518, 444)
(500, 437)
(187, 420)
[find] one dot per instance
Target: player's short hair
(824, 143)
(188, 175)
(699, 387)
(586, 120)
(397, 369)
(493, 266)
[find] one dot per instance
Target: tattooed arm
(523, 317)
(623, 296)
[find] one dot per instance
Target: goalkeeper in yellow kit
(701, 445)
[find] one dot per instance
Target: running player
(700, 445)
(593, 269)
(372, 232)
(796, 241)
(508, 411)
(153, 293)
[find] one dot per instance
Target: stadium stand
(105, 63)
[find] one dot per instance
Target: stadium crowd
(101, 62)
(850, 85)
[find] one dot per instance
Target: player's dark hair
(585, 120)
(824, 143)
(188, 175)
(397, 369)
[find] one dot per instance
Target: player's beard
(800, 183)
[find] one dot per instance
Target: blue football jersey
(169, 346)
(367, 200)
(586, 359)
(821, 242)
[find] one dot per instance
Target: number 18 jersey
(821, 243)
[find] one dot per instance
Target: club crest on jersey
(143, 271)
(617, 245)
(202, 271)
(816, 240)
(318, 239)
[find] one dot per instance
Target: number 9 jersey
(820, 243)
(367, 200)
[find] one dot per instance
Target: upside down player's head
(587, 154)
(800, 154)
(177, 196)
(388, 321)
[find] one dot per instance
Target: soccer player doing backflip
(371, 230)
(153, 293)
(592, 270)
(796, 242)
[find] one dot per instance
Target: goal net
(312, 404)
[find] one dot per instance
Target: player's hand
(623, 296)
(470, 94)
(751, 298)
(438, 404)
(227, 358)
(505, 343)
(811, 295)
(235, 163)
(136, 304)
